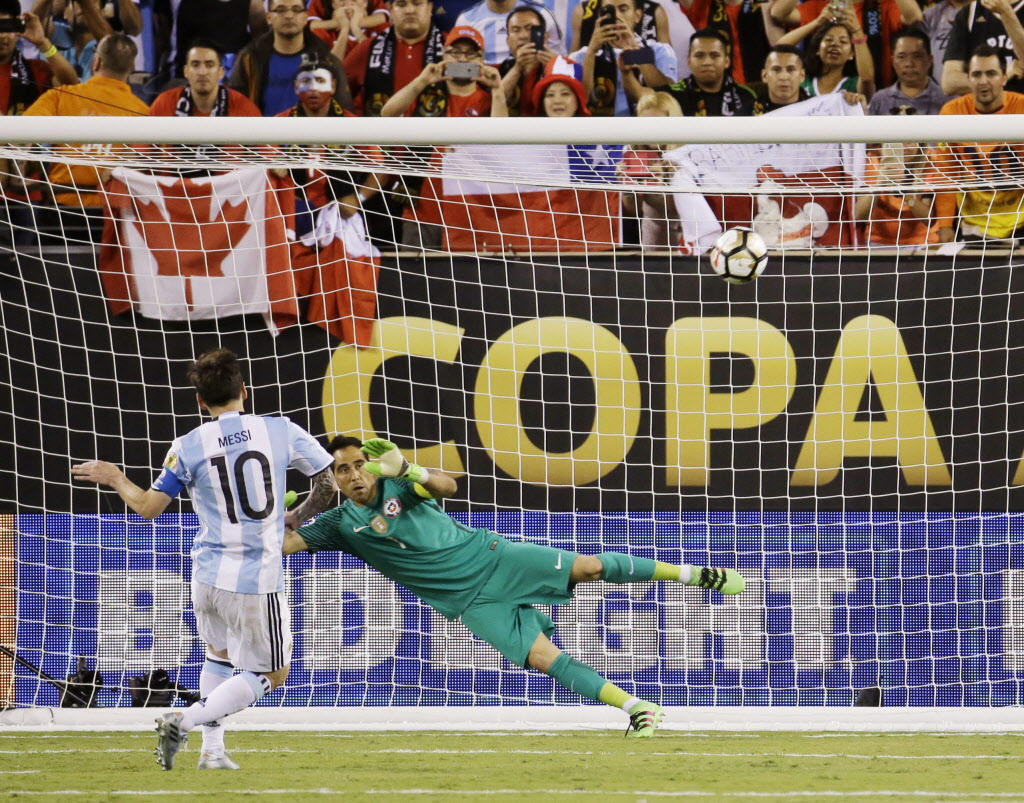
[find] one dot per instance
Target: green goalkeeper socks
(578, 677)
(622, 568)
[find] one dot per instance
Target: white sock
(687, 573)
(216, 671)
(630, 703)
(233, 695)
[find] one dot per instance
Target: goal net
(535, 313)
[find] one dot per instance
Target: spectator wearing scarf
(710, 91)
(601, 73)
(203, 95)
(378, 68)
(653, 25)
(521, 71)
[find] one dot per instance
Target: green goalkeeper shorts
(502, 614)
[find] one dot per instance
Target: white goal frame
(31, 131)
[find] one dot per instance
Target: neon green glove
(391, 462)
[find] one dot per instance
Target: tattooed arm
(324, 489)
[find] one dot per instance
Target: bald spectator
(105, 94)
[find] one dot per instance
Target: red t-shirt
(476, 105)
(890, 22)
(41, 74)
(239, 105)
(408, 65)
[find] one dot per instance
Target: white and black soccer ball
(739, 255)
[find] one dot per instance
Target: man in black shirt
(991, 22)
(710, 91)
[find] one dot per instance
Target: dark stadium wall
(665, 426)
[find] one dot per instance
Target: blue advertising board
(927, 606)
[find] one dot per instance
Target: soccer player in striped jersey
(391, 521)
(234, 469)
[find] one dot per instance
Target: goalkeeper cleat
(216, 761)
(644, 718)
(169, 739)
(726, 581)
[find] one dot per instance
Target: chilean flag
(526, 198)
(197, 248)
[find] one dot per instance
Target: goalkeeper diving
(392, 521)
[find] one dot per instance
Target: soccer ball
(739, 255)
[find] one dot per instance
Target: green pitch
(542, 766)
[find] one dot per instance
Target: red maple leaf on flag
(184, 238)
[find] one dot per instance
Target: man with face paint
(203, 95)
(329, 227)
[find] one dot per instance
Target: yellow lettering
(693, 412)
(497, 408)
(346, 396)
(871, 347)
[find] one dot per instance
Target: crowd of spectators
(495, 57)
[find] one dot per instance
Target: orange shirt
(239, 105)
(892, 221)
(100, 96)
(991, 213)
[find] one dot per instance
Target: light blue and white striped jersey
(495, 32)
(234, 469)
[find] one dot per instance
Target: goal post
(532, 311)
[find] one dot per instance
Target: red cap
(465, 32)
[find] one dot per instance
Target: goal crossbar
(519, 130)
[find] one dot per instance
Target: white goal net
(535, 314)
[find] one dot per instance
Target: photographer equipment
(155, 689)
(78, 691)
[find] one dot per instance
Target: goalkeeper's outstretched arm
(390, 462)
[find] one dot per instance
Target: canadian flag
(525, 198)
(197, 248)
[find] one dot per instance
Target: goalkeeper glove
(391, 462)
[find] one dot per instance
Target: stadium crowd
(560, 58)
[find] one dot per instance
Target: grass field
(588, 765)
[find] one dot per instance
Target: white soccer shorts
(255, 629)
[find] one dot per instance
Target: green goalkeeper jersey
(411, 540)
